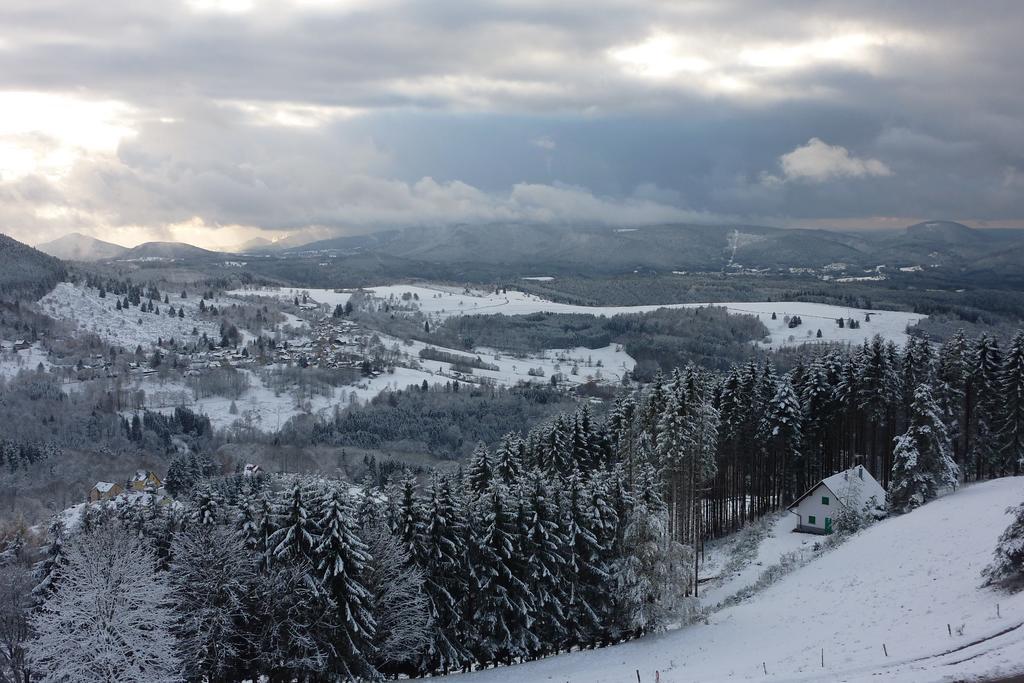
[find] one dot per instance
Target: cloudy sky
(214, 121)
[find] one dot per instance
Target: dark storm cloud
(227, 117)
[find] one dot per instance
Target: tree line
(312, 579)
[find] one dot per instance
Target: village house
(144, 479)
(854, 489)
(105, 490)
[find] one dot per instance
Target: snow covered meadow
(898, 584)
(441, 301)
(12, 362)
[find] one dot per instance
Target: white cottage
(853, 488)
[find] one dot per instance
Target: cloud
(818, 162)
(299, 115)
(545, 143)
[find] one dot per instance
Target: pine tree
(45, 570)
(952, 377)
(542, 550)
(502, 606)
(622, 434)
(583, 441)
(297, 534)
(212, 577)
(922, 460)
(647, 580)
(509, 465)
(604, 522)
(256, 527)
(207, 510)
(586, 577)
(780, 434)
(341, 560)
(409, 522)
(445, 582)
(1011, 394)
(1007, 566)
(481, 470)
(985, 369)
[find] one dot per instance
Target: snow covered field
(899, 583)
(608, 363)
(265, 409)
(13, 362)
(439, 301)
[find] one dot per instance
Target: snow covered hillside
(127, 328)
(440, 301)
(899, 583)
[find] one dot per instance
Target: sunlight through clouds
(46, 133)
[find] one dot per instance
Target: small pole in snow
(997, 610)
(885, 650)
(638, 676)
(950, 629)
(765, 667)
(822, 658)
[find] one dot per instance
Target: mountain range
(515, 247)
(683, 247)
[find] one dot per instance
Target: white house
(853, 488)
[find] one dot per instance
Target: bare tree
(108, 619)
(399, 604)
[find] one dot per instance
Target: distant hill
(25, 271)
(168, 251)
(945, 232)
(78, 247)
(603, 249)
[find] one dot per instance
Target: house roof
(853, 487)
(104, 486)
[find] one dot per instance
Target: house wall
(812, 506)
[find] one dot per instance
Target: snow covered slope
(899, 583)
(441, 301)
(129, 328)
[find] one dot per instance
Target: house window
(824, 500)
(811, 519)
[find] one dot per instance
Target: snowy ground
(13, 362)
(606, 364)
(778, 540)
(266, 409)
(439, 301)
(899, 583)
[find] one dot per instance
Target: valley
(691, 407)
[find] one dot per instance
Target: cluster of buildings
(142, 485)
